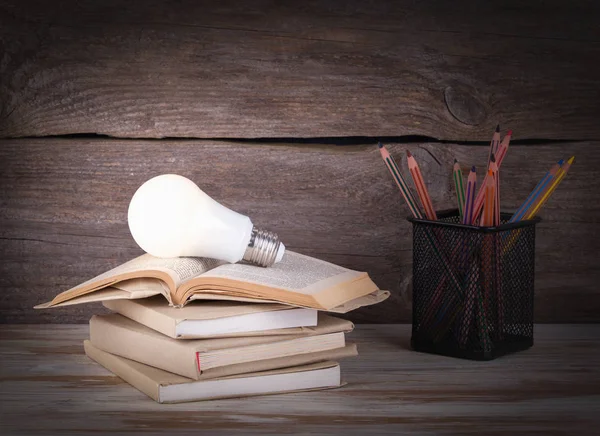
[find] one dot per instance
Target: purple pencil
(470, 196)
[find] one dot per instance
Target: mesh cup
(473, 287)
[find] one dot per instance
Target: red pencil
(503, 148)
(415, 172)
(494, 169)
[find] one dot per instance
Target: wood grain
(50, 387)
(63, 211)
(235, 69)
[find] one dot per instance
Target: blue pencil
(537, 191)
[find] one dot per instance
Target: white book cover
(205, 319)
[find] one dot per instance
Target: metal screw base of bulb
(262, 248)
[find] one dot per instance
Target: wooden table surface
(48, 386)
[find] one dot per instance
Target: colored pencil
(560, 175)
(537, 191)
(410, 200)
(494, 146)
(468, 304)
(490, 199)
(487, 219)
(415, 172)
(503, 148)
(499, 287)
(470, 196)
(494, 169)
(494, 143)
(481, 317)
(460, 188)
(533, 200)
(501, 153)
(496, 247)
(397, 176)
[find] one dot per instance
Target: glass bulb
(169, 216)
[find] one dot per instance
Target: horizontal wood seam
(318, 140)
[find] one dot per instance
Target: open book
(297, 280)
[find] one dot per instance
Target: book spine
(151, 349)
(123, 370)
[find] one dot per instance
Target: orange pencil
(415, 172)
(489, 200)
(502, 149)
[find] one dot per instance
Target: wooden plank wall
(250, 100)
(64, 211)
(230, 69)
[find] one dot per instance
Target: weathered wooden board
(50, 387)
(233, 69)
(63, 211)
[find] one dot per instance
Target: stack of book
(250, 330)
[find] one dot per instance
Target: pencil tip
(509, 133)
(408, 153)
(492, 158)
(571, 160)
(473, 168)
(560, 162)
(455, 161)
(380, 145)
(498, 128)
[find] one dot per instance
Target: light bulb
(169, 216)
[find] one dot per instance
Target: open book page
(296, 273)
(143, 287)
(172, 272)
(367, 300)
(179, 269)
(143, 284)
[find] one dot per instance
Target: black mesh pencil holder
(472, 287)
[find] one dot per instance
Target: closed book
(207, 319)
(207, 358)
(165, 387)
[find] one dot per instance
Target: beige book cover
(165, 387)
(297, 280)
(204, 319)
(206, 358)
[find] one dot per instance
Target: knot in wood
(465, 105)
